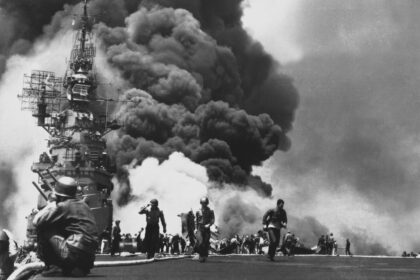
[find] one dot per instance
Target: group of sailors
(327, 245)
(68, 239)
(255, 244)
(115, 242)
(156, 242)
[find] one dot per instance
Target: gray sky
(355, 145)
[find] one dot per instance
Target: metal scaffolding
(41, 87)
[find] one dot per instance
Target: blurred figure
(191, 228)
(204, 220)
(261, 241)
(348, 244)
(273, 221)
(175, 244)
(321, 245)
(252, 244)
(153, 215)
(165, 244)
(105, 240)
(8, 254)
(183, 245)
(116, 238)
(335, 249)
(330, 244)
(248, 245)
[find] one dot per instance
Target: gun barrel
(40, 191)
(52, 176)
(45, 181)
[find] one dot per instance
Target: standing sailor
(151, 238)
(348, 253)
(67, 234)
(116, 238)
(204, 220)
(273, 221)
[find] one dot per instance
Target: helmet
(66, 187)
(204, 200)
(4, 236)
(154, 202)
(280, 201)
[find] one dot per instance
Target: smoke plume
(176, 178)
(356, 138)
(194, 79)
(190, 93)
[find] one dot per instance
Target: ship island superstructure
(65, 108)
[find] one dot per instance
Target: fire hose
(25, 269)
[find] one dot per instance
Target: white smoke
(21, 141)
(284, 21)
(177, 183)
(239, 211)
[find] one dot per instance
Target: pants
(151, 240)
(115, 246)
(175, 248)
(54, 250)
(274, 238)
(140, 245)
(348, 251)
(191, 237)
(203, 242)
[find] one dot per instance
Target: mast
(84, 26)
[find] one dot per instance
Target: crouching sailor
(8, 253)
(67, 234)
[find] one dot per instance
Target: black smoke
(197, 81)
(200, 92)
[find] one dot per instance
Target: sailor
(273, 221)
(330, 244)
(176, 242)
(67, 234)
(153, 215)
(8, 253)
(321, 245)
(335, 249)
(252, 244)
(116, 238)
(183, 244)
(348, 247)
(191, 228)
(104, 240)
(204, 220)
